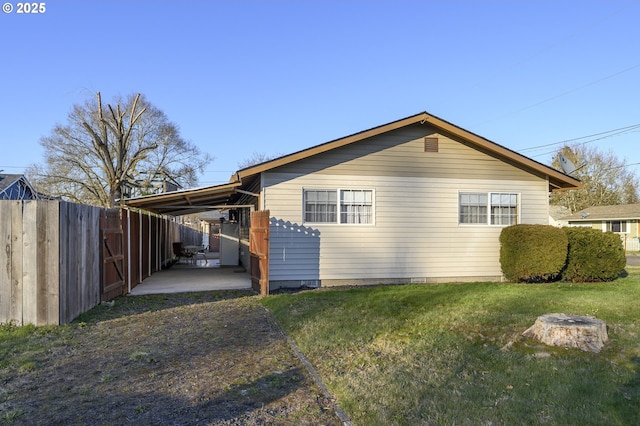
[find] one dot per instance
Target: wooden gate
(112, 274)
(259, 251)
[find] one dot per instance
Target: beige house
(417, 200)
(620, 219)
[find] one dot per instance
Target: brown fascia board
(327, 146)
(557, 179)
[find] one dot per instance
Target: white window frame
(488, 208)
(339, 205)
(607, 226)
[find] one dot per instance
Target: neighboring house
(417, 200)
(557, 215)
(16, 187)
(621, 219)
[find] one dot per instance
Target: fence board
(5, 262)
(17, 283)
(113, 272)
(67, 296)
(49, 244)
(29, 263)
(76, 259)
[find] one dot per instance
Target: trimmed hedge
(593, 255)
(532, 253)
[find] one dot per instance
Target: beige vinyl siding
(415, 234)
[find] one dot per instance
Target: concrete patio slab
(194, 276)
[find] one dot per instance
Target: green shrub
(532, 253)
(593, 256)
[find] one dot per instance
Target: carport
(196, 274)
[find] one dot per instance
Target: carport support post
(150, 248)
(128, 250)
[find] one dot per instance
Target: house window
(323, 205)
(356, 206)
(504, 209)
(320, 206)
(618, 226)
(495, 208)
(473, 208)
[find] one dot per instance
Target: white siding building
(417, 200)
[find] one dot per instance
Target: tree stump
(569, 331)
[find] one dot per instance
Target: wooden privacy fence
(61, 259)
(259, 251)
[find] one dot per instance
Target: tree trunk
(569, 331)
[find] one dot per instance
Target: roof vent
(430, 144)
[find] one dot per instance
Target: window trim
(488, 194)
(338, 192)
(608, 226)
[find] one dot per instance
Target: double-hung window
(343, 206)
(320, 206)
(617, 226)
(504, 209)
(488, 208)
(473, 208)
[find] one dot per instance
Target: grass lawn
(453, 354)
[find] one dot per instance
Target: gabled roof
(558, 212)
(194, 200)
(557, 179)
(8, 180)
(619, 212)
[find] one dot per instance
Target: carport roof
(187, 201)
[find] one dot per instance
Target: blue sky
(275, 77)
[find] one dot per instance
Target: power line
(582, 143)
(604, 135)
(510, 67)
(568, 92)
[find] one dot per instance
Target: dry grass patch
(189, 359)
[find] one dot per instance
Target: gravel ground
(214, 358)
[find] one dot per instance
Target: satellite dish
(567, 166)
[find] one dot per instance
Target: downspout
(140, 247)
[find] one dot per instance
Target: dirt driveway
(214, 358)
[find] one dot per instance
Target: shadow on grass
(630, 391)
(222, 363)
(246, 403)
(123, 306)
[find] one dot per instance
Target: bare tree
(106, 152)
(606, 180)
(256, 158)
